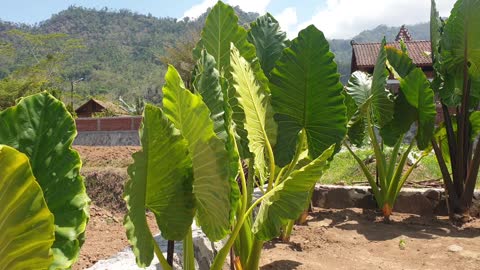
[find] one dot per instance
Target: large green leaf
(435, 30)
(359, 87)
(207, 84)
(475, 124)
(268, 39)
(214, 90)
(220, 30)
(461, 39)
(160, 181)
(381, 104)
(419, 97)
(41, 127)
(27, 229)
(399, 62)
(287, 200)
(460, 50)
(418, 93)
(255, 102)
(211, 185)
(403, 118)
(357, 94)
(307, 94)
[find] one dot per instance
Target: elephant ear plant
(392, 114)
(23, 208)
(456, 61)
(40, 127)
(193, 148)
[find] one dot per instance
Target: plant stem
(188, 253)
(254, 258)
(298, 151)
(271, 158)
(367, 174)
(378, 153)
(222, 254)
(170, 251)
(288, 231)
(279, 176)
(163, 262)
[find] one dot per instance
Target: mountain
(121, 53)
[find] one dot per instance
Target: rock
(319, 196)
(125, 260)
(455, 248)
(414, 203)
(338, 198)
(433, 195)
(203, 248)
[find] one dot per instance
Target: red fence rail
(108, 123)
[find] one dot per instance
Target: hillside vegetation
(111, 54)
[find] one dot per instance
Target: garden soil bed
(349, 238)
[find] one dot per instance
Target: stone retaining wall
(421, 201)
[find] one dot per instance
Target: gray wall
(107, 138)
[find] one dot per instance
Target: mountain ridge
(124, 51)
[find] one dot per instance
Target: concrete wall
(108, 131)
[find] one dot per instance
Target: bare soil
(332, 239)
(357, 239)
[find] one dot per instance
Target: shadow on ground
(281, 265)
(371, 225)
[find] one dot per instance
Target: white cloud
(288, 20)
(259, 6)
(346, 18)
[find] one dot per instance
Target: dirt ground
(357, 239)
(332, 239)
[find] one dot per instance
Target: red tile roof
(366, 54)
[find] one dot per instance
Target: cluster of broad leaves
(44, 203)
(374, 108)
(253, 94)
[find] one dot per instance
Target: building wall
(108, 131)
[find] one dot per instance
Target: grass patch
(344, 170)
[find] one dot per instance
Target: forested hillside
(118, 53)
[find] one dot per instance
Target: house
(94, 106)
(364, 55)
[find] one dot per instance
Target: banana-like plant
(193, 148)
(373, 108)
(41, 127)
(456, 61)
(27, 224)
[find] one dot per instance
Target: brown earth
(332, 239)
(357, 239)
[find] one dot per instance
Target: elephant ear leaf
(26, 223)
(211, 185)
(381, 104)
(415, 103)
(269, 41)
(214, 90)
(258, 112)
(418, 93)
(460, 55)
(161, 181)
(41, 127)
(307, 94)
(287, 200)
(359, 88)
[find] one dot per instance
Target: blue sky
(336, 18)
